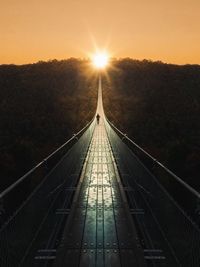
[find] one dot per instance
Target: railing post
(124, 137)
(154, 164)
(75, 136)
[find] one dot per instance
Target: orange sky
(33, 30)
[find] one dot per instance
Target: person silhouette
(98, 118)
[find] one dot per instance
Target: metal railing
(33, 209)
(164, 207)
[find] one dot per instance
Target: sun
(100, 60)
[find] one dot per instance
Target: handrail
(170, 208)
(178, 179)
(22, 178)
(28, 207)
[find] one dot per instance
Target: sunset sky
(32, 30)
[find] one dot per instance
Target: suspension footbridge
(98, 204)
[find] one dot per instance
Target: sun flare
(100, 60)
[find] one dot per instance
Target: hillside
(158, 106)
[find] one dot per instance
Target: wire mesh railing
(166, 226)
(34, 208)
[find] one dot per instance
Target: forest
(158, 106)
(41, 106)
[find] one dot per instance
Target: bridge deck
(99, 231)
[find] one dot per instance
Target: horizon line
(88, 59)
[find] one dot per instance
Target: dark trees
(41, 106)
(158, 105)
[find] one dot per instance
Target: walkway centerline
(99, 231)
